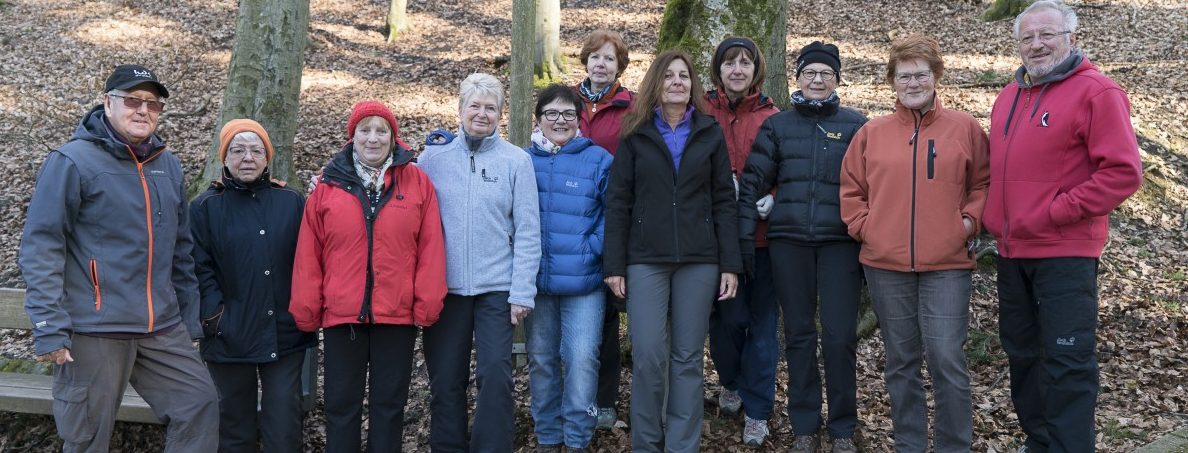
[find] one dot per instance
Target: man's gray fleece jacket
(106, 246)
(491, 216)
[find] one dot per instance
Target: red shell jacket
(353, 267)
(740, 124)
(602, 121)
(1063, 155)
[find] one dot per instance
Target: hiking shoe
(805, 444)
(754, 432)
(729, 401)
(577, 450)
(844, 445)
(556, 448)
(606, 418)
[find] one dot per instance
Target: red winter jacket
(355, 268)
(740, 124)
(602, 121)
(1063, 155)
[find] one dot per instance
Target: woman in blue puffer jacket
(566, 325)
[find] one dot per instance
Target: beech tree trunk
(549, 63)
(697, 26)
(264, 81)
(397, 19)
(522, 68)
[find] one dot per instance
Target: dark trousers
(483, 321)
(743, 331)
(279, 420)
(377, 357)
(610, 358)
(1048, 324)
(808, 278)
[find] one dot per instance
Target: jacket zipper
(914, 140)
(544, 229)
(931, 159)
(95, 284)
(148, 222)
(813, 181)
(1004, 245)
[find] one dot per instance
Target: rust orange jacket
(908, 180)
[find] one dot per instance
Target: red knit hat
(371, 107)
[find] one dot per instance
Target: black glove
(748, 258)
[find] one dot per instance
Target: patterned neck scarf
(542, 142)
(373, 177)
(589, 92)
(799, 99)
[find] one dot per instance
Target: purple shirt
(675, 138)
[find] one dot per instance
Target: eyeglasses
(1044, 36)
(811, 74)
(919, 77)
(243, 153)
(552, 115)
(134, 103)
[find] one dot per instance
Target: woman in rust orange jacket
(913, 185)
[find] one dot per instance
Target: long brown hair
(652, 87)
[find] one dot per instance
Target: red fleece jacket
(1062, 156)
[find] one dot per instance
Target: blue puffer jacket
(572, 186)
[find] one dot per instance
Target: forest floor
(54, 55)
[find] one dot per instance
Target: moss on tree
(1004, 9)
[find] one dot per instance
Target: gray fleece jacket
(490, 214)
(106, 245)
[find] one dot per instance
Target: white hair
(480, 84)
(1067, 15)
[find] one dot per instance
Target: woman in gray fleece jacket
(486, 188)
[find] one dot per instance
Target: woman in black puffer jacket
(812, 254)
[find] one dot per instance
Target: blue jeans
(925, 316)
(565, 329)
(743, 331)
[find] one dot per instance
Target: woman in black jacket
(814, 260)
(245, 234)
(671, 244)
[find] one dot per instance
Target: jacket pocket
(210, 325)
(95, 284)
(931, 159)
(72, 414)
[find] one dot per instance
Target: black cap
(737, 41)
(127, 76)
(818, 52)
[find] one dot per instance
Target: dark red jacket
(1063, 154)
(353, 267)
(740, 124)
(602, 121)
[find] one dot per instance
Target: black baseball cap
(126, 76)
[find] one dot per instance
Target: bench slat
(31, 394)
(12, 309)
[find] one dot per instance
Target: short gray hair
(1067, 15)
(480, 84)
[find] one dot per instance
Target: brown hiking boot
(805, 444)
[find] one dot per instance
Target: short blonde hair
(480, 84)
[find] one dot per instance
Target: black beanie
(737, 41)
(818, 52)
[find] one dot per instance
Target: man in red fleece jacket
(1063, 155)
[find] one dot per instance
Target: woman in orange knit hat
(245, 231)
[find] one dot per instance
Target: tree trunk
(520, 96)
(549, 63)
(697, 26)
(1004, 9)
(397, 19)
(264, 81)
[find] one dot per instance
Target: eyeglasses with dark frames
(552, 115)
(134, 103)
(810, 74)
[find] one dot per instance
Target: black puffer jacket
(656, 215)
(244, 240)
(800, 151)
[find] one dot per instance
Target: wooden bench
(31, 393)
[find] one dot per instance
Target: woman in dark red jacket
(604, 103)
(369, 270)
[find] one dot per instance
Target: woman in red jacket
(604, 102)
(369, 270)
(913, 185)
(743, 330)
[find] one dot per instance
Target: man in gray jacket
(111, 289)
